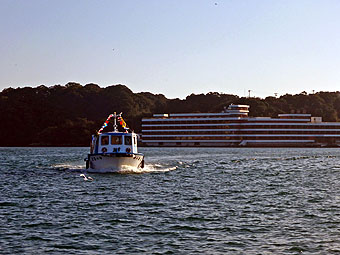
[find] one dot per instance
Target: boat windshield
(127, 140)
(104, 140)
(116, 139)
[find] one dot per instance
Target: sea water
(185, 201)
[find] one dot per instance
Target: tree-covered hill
(68, 115)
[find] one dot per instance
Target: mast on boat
(115, 129)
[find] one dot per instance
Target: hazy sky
(173, 47)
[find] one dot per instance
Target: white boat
(114, 151)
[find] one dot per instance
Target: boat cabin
(115, 142)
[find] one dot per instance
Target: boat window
(135, 140)
(104, 140)
(127, 140)
(116, 139)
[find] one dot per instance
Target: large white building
(233, 127)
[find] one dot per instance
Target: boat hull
(114, 162)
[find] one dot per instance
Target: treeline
(68, 115)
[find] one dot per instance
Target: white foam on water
(69, 166)
(148, 168)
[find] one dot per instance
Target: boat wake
(148, 168)
(70, 167)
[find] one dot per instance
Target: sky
(173, 47)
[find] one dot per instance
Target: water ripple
(186, 201)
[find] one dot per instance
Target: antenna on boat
(115, 122)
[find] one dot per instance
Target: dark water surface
(186, 201)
